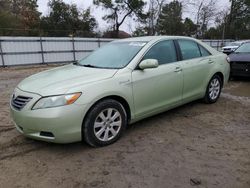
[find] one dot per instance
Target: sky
(129, 25)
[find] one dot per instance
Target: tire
(104, 123)
(213, 90)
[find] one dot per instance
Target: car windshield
(114, 55)
(244, 48)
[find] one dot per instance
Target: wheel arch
(220, 74)
(85, 130)
(118, 98)
(121, 100)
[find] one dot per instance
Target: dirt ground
(196, 145)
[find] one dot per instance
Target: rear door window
(189, 49)
(204, 52)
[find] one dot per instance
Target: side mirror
(148, 64)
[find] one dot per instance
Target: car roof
(152, 38)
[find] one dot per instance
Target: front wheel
(213, 90)
(105, 123)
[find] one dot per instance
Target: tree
(147, 22)
(7, 20)
(212, 33)
(170, 19)
(66, 20)
(20, 14)
(30, 17)
(220, 25)
(88, 23)
(155, 9)
(238, 24)
(189, 27)
(206, 11)
(233, 23)
(119, 10)
(140, 31)
(57, 23)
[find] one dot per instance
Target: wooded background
(152, 17)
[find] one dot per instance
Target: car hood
(60, 80)
(225, 47)
(242, 57)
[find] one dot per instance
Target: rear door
(196, 63)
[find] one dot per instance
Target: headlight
(54, 101)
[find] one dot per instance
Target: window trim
(198, 45)
(178, 49)
(175, 48)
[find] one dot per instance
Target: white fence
(42, 50)
(39, 50)
(217, 44)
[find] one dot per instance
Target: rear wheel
(213, 90)
(105, 123)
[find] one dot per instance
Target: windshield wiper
(75, 63)
(89, 65)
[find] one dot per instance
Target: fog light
(47, 134)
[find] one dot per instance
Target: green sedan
(118, 84)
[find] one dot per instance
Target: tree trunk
(116, 33)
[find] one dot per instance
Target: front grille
(245, 66)
(20, 101)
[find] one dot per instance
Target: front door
(160, 88)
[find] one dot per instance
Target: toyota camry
(120, 83)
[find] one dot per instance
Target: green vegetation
(209, 22)
(21, 17)
(65, 19)
(170, 19)
(119, 10)
(151, 17)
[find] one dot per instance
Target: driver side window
(163, 51)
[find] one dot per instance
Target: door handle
(210, 61)
(178, 69)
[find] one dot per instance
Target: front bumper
(59, 125)
(240, 69)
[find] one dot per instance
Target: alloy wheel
(214, 89)
(107, 124)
